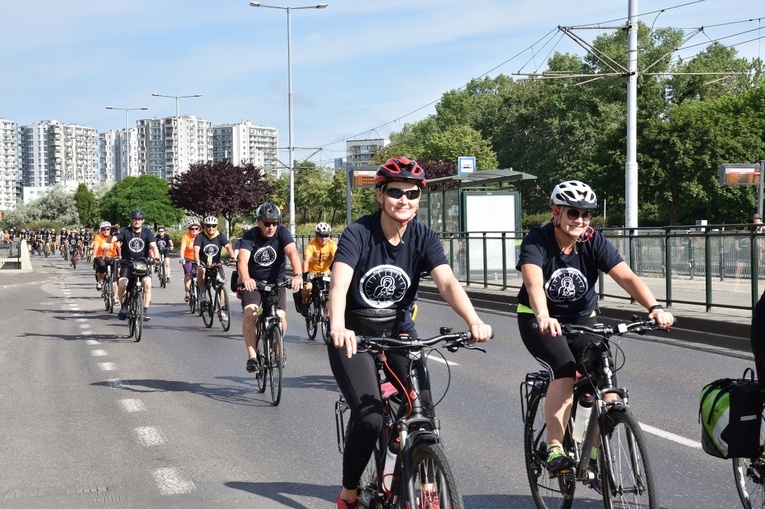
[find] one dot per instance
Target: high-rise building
(10, 164)
(167, 146)
(118, 154)
(359, 153)
(245, 142)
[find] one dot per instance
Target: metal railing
(10, 255)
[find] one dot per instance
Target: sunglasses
(105, 229)
(397, 193)
(574, 214)
(211, 226)
(322, 235)
(194, 228)
(269, 224)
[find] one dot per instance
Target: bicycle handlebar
(606, 331)
(453, 341)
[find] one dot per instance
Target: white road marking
(132, 405)
(170, 482)
(98, 353)
(441, 360)
(91, 342)
(107, 366)
(115, 383)
(670, 436)
(150, 435)
(89, 333)
(84, 326)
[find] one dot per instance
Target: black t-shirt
(210, 248)
(569, 279)
(267, 260)
(135, 245)
(386, 276)
(163, 243)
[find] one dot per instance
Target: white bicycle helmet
(574, 193)
(246, 227)
(104, 224)
(323, 228)
(191, 223)
(210, 220)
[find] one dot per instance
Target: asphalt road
(89, 418)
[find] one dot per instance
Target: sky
(360, 68)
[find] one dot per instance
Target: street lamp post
(291, 148)
(177, 120)
(127, 127)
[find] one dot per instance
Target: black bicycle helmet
(138, 214)
(269, 212)
(400, 169)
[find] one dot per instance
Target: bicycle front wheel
(555, 493)
(310, 320)
(221, 305)
(208, 308)
(161, 273)
(130, 301)
(435, 484)
(261, 350)
(627, 476)
(193, 297)
(324, 322)
(138, 302)
(276, 363)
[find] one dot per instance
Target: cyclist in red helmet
(375, 276)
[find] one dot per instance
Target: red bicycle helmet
(400, 169)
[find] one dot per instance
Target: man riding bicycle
(317, 258)
(262, 256)
(165, 246)
(136, 242)
(207, 249)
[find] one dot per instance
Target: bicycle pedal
(559, 473)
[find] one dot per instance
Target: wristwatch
(655, 306)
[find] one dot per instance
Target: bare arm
(242, 268)
(533, 280)
(292, 253)
(342, 274)
(453, 293)
(633, 285)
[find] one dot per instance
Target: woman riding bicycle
(318, 256)
(375, 277)
(559, 262)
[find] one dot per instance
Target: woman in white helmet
(559, 262)
(317, 259)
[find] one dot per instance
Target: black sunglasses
(322, 235)
(211, 226)
(194, 228)
(397, 193)
(574, 214)
(268, 224)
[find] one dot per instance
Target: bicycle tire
(630, 467)
(310, 320)
(138, 303)
(109, 286)
(369, 487)
(749, 474)
(131, 314)
(208, 308)
(431, 468)
(199, 303)
(555, 493)
(261, 350)
(276, 363)
(324, 323)
(74, 262)
(221, 304)
(161, 273)
(193, 297)
(106, 284)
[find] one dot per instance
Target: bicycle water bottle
(391, 451)
(582, 417)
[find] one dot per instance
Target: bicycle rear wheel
(138, 303)
(310, 320)
(627, 477)
(555, 493)
(208, 308)
(221, 304)
(750, 477)
(435, 484)
(276, 363)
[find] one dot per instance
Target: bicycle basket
(140, 268)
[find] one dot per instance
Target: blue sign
(465, 165)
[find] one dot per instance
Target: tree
(87, 208)
(145, 192)
(221, 189)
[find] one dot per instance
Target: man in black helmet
(262, 257)
(136, 242)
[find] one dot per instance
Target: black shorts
(558, 354)
(255, 297)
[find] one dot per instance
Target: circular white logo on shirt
(384, 285)
(265, 256)
(136, 245)
(566, 284)
(161, 244)
(211, 250)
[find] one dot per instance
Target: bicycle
(134, 297)
(749, 474)
(107, 289)
(317, 307)
(162, 271)
(74, 255)
(622, 453)
(421, 476)
(270, 349)
(194, 304)
(217, 297)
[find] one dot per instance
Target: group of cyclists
(376, 267)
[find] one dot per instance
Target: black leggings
(554, 353)
(357, 379)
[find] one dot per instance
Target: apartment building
(167, 146)
(118, 154)
(245, 142)
(10, 164)
(55, 153)
(359, 153)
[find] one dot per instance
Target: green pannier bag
(730, 413)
